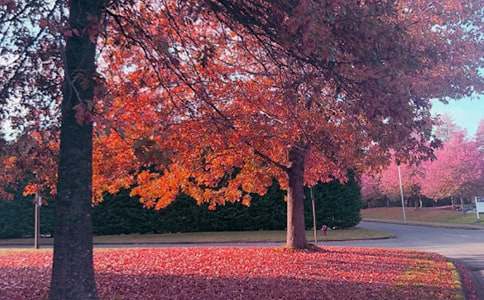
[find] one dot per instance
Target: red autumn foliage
(467, 282)
(228, 273)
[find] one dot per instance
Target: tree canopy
(217, 97)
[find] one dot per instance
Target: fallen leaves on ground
(467, 282)
(243, 273)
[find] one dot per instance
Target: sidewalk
(428, 224)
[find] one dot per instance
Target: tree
(371, 190)
(480, 136)
(445, 128)
(347, 55)
(30, 158)
(456, 171)
(73, 272)
(479, 139)
(411, 182)
(32, 59)
(297, 121)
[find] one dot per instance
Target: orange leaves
(218, 122)
(246, 199)
(9, 162)
(30, 156)
(30, 189)
(145, 177)
(159, 190)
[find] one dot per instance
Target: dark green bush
(17, 218)
(337, 205)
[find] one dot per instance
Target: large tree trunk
(462, 205)
(296, 234)
(73, 272)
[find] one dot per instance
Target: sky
(466, 112)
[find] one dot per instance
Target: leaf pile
(241, 273)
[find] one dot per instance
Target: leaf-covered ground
(237, 273)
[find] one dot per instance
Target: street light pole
(401, 192)
(315, 230)
(37, 205)
(478, 217)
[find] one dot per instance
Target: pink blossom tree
(370, 188)
(411, 182)
(480, 136)
(456, 172)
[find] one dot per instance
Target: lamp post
(401, 191)
(37, 205)
(478, 217)
(314, 217)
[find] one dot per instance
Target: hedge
(17, 218)
(337, 205)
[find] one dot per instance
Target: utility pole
(315, 230)
(401, 191)
(478, 217)
(37, 205)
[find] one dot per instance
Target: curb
(469, 282)
(424, 224)
(199, 243)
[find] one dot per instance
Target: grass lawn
(425, 214)
(220, 237)
(244, 273)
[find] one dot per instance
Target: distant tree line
(454, 177)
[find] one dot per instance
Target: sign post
(479, 207)
(37, 205)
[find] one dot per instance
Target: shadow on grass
(158, 286)
(198, 287)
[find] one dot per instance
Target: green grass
(221, 237)
(426, 214)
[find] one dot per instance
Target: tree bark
(296, 234)
(462, 205)
(73, 272)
